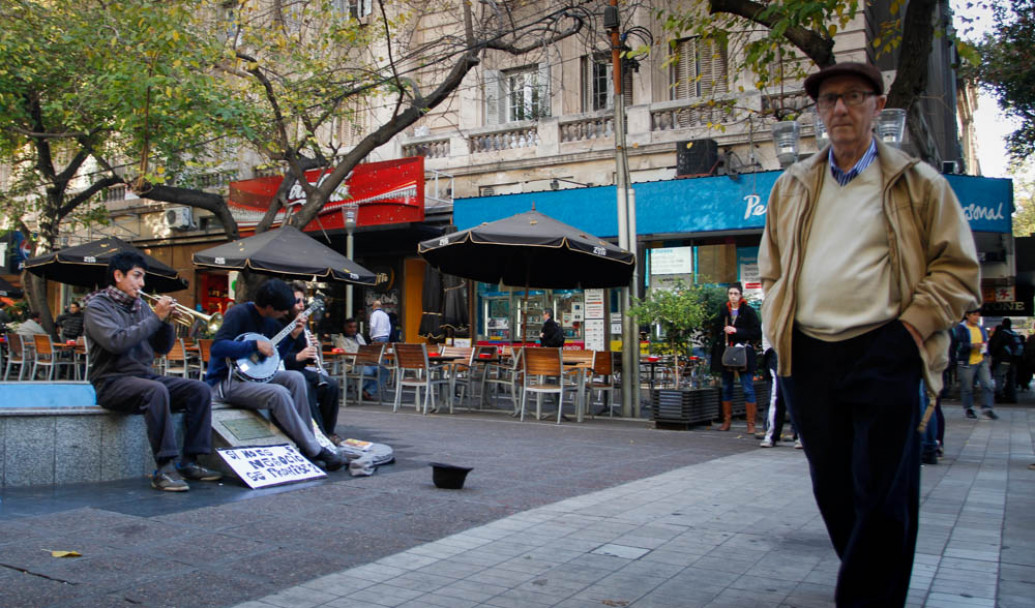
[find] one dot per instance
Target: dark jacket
(123, 342)
(241, 319)
(749, 331)
(552, 334)
(1005, 344)
(71, 325)
(961, 337)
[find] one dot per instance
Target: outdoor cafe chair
(368, 355)
(175, 363)
(46, 356)
(81, 357)
(414, 371)
(508, 372)
(199, 364)
(544, 373)
(602, 381)
(18, 354)
(461, 371)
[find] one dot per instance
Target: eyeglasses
(852, 98)
(299, 300)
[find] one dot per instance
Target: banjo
(258, 368)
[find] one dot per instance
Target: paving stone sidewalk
(738, 531)
(606, 513)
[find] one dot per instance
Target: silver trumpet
(186, 316)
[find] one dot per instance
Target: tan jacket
(933, 257)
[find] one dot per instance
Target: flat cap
(862, 70)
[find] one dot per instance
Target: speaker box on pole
(696, 157)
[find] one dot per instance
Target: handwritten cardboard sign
(270, 465)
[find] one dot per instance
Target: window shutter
(720, 68)
(544, 90)
(682, 70)
(627, 87)
(494, 98)
(586, 64)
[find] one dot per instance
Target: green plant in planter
(684, 315)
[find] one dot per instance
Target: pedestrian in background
(738, 325)
(974, 363)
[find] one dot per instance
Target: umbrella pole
(524, 326)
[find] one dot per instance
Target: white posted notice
(270, 465)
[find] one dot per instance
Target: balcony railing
(525, 136)
(689, 114)
(436, 148)
(587, 127)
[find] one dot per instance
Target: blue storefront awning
(705, 204)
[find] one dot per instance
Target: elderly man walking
(866, 262)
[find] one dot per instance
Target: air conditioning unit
(696, 158)
(179, 218)
(950, 167)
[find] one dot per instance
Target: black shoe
(990, 414)
(971, 414)
(929, 458)
(329, 460)
(195, 472)
(168, 481)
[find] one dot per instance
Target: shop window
(717, 263)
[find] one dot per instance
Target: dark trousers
(157, 397)
(856, 407)
(324, 399)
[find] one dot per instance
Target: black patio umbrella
(454, 310)
(9, 291)
(431, 305)
(285, 251)
(86, 265)
(530, 250)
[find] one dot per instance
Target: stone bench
(55, 433)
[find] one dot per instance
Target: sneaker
(168, 481)
(971, 414)
(329, 460)
(766, 443)
(196, 472)
(798, 445)
(990, 414)
(929, 458)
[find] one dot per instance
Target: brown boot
(727, 415)
(751, 410)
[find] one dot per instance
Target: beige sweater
(845, 288)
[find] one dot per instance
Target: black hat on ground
(849, 68)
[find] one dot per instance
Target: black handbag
(734, 357)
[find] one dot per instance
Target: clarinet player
(324, 391)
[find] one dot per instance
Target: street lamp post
(350, 210)
(626, 225)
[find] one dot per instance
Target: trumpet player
(123, 334)
(324, 392)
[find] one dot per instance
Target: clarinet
(318, 361)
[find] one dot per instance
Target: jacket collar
(892, 163)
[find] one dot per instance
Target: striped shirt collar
(844, 177)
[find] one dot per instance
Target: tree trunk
(911, 76)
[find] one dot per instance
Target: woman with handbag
(738, 327)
